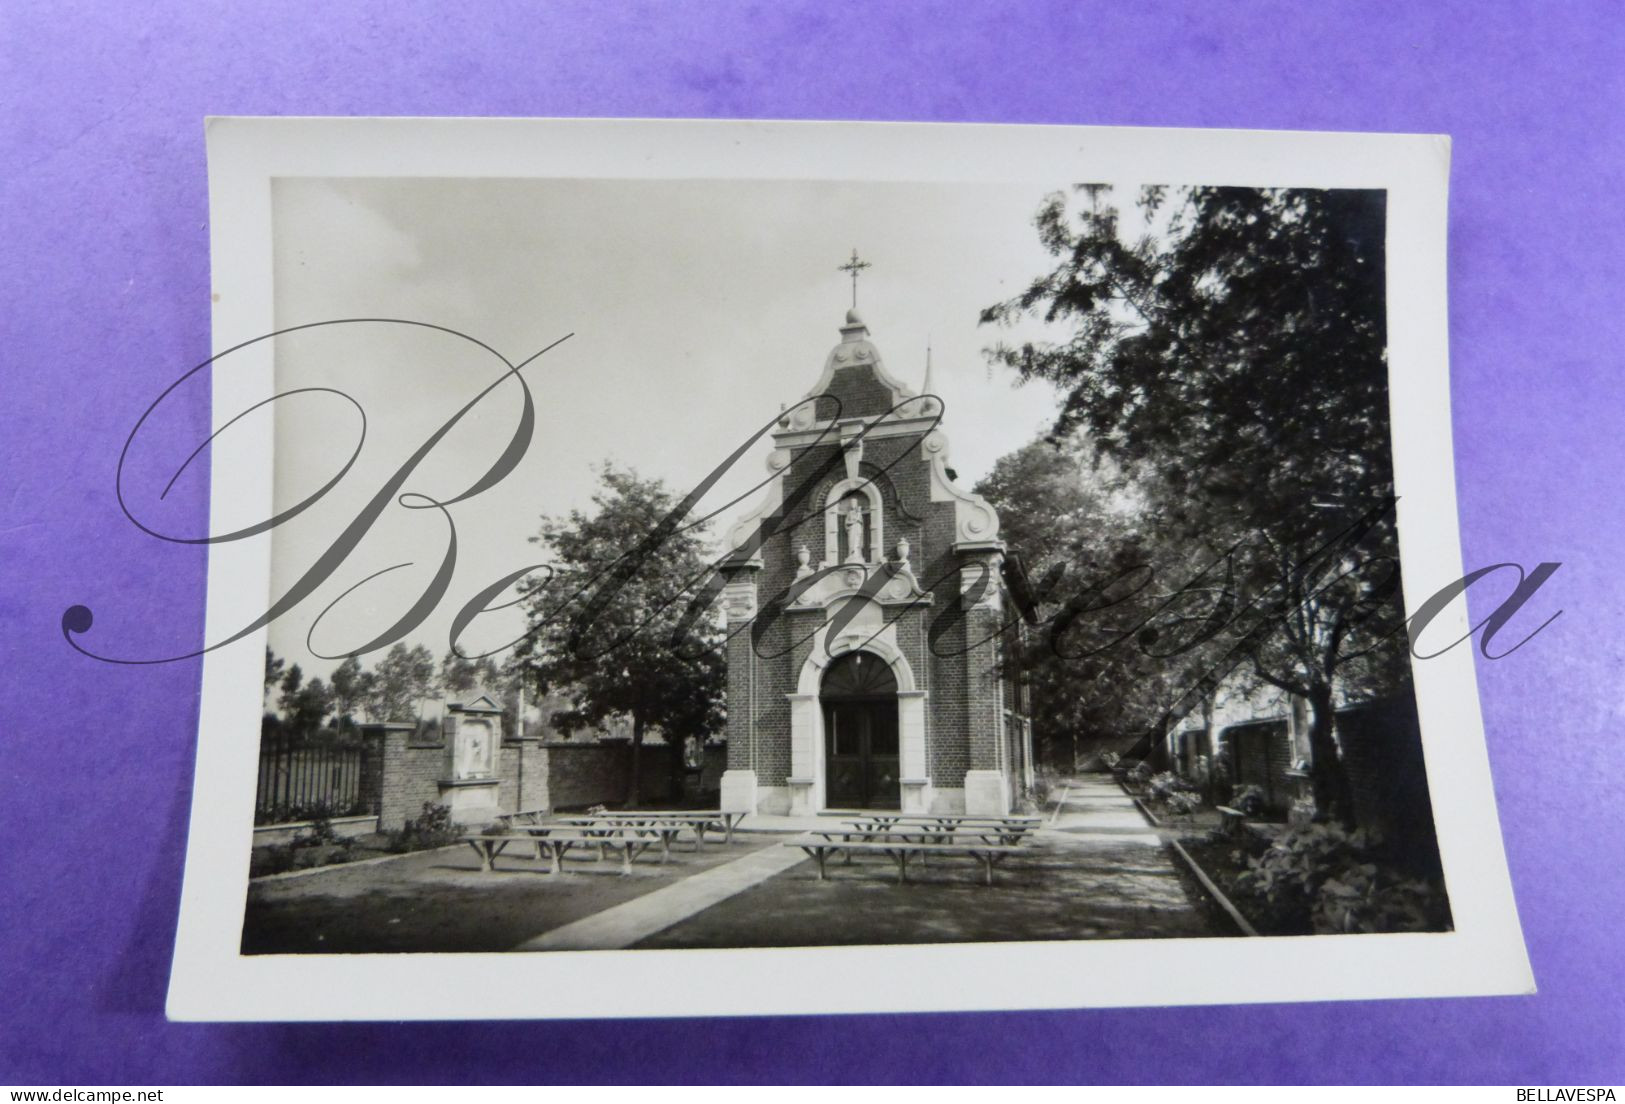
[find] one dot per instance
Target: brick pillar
(987, 789)
(739, 780)
(392, 786)
(372, 770)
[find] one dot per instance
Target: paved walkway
(1096, 808)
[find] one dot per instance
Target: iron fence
(302, 779)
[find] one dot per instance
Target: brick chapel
(873, 649)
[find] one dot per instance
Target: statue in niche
(856, 508)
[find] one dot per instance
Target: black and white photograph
(728, 563)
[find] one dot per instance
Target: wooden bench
(962, 837)
(555, 843)
(699, 822)
(664, 831)
(931, 833)
(1009, 830)
(900, 851)
(526, 816)
(932, 818)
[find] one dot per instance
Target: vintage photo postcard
(715, 568)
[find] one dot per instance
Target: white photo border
(212, 980)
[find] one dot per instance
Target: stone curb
(287, 875)
(1207, 883)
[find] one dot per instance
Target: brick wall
(859, 391)
(579, 775)
(716, 761)
(530, 775)
(523, 768)
(1261, 754)
(1382, 755)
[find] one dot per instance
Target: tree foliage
(1091, 537)
(613, 627)
(404, 678)
(347, 687)
(1242, 337)
(1232, 345)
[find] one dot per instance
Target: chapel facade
(874, 647)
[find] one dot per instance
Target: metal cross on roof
(854, 266)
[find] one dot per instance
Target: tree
(345, 684)
(405, 676)
(613, 626)
(1234, 343)
(369, 696)
(273, 669)
(458, 674)
(423, 676)
(292, 680)
(310, 707)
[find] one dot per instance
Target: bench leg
(699, 836)
(555, 852)
(484, 853)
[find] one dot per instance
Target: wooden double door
(860, 755)
(861, 762)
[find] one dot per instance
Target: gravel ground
(442, 901)
(1062, 888)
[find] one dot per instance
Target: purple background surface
(105, 273)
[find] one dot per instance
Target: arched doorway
(859, 700)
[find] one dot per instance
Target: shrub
(1183, 802)
(1162, 785)
(276, 859)
(321, 831)
(1174, 794)
(1135, 770)
(431, 828)
(1248, 798)
(1366, 897)
(291, 812)
(1285, 881)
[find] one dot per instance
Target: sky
(697, 309)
